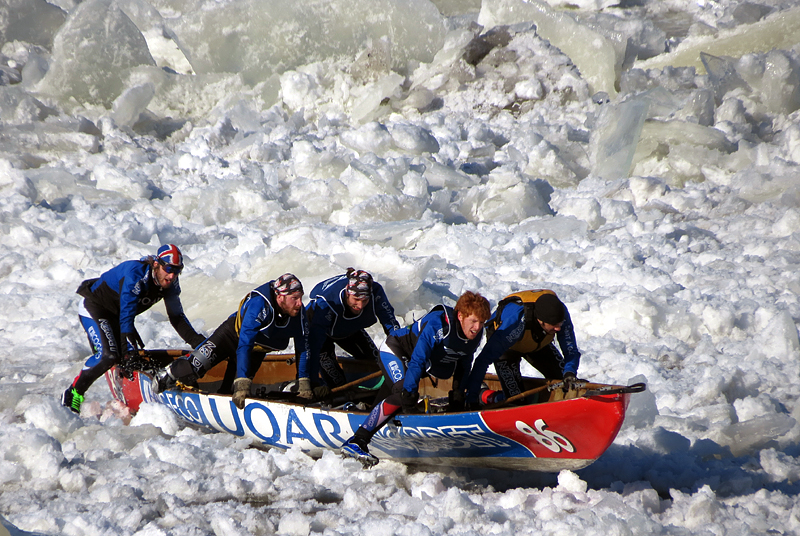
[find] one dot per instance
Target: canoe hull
(568, 434)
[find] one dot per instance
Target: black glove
(473, 406)
(455, 400)
(196, 341)
(570, 381)
(132, 338)
(409, 400)
(322, 391)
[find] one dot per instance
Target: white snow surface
(541, 150)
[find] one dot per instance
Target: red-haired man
(440, 344)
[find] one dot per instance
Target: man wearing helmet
(112, 301)
(266, 320)
(339, 311)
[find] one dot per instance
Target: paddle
(181, 353)
(611, 390)
(356, 382)
(523, 395)
(340, 388)
(605, 390)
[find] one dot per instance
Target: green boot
(72, 399)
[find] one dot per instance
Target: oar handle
(170, 353)
(179, 353)
(610, 390)
(522, 395)
(356, 382)
(635, 388)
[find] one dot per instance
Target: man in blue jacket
(113, 300)
(339, 311)
(524, 326)
(441, 345)
(268, 318)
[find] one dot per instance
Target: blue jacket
(260, 323)
(511, 330)
(129, 289)
(329, 317)
(439, 347)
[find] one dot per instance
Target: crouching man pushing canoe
(268, 317)
(113, 300)
(441, 344)
(525, 325)
(340, 310)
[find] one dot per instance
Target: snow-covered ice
(639, 158)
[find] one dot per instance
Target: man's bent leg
(103, 341)
(99, 363)
(331, 372)
(507, 369)
(220, 345)
(360, 345)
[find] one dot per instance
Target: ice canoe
(558, 430)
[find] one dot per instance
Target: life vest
(534, 338)
(238, 322)
(403, 345)
(237, 325)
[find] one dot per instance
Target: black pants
(220, 346)
(102, 330)
(548, 361)
(359, 345)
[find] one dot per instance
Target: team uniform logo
(395, 371)
(452, 356)
(97, 346)
(109, 333)
(516, 334)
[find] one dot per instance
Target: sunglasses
(171, 268)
